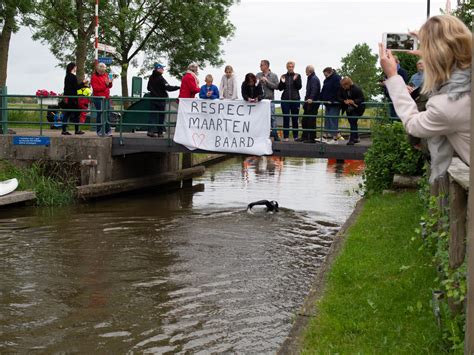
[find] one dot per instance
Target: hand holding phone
(387, 61)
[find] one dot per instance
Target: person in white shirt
(228, 88)
(446, 49)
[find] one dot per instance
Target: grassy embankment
(54, 184)
(376, 298)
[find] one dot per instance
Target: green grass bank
(53, 182)
(378, 292)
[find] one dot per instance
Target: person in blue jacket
(209, 91)
(329, 93)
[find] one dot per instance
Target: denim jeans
(290, 110)
(331, 124)
(98, 107)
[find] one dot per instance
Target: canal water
(180, 272)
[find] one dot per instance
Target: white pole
(96, 32)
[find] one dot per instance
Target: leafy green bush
(54, 184)
(390, 154)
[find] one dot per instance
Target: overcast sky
(308, 32)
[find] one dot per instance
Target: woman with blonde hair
(228, 88)
(446, 50)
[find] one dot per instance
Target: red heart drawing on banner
(198, 139)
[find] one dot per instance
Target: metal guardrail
(121, 105)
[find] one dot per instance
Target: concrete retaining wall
(77, 149)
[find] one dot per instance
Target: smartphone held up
(400, 41)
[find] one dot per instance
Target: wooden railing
(453, 189)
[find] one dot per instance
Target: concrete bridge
(139, 142)
(132, 143)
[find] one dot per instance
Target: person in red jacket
(190, 83)
(101, 83)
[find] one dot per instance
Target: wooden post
(457, 224)
(186, 164)
(88, 172)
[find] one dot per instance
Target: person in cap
(158, 88)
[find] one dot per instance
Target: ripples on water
(176, 272)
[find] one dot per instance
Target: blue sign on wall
(27, 140)
(105, 60)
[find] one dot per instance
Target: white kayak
(8, 186)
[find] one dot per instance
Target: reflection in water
(183, 272)
(346, 167)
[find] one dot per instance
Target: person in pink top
(101, 83)
(190, 83)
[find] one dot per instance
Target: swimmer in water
(272, 206)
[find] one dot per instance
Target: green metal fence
(135, 112)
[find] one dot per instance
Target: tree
(67, 26)
(360, 66)
(464, 13)
(178, 31)
(11, 13)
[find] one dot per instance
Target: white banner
(224, 126)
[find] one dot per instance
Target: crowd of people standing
(254, 88)
(432, 103)
(346, 99)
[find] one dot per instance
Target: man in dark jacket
(158, 87)
(352, 100)
(310, 107)
(332, 108)
(291, 84)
